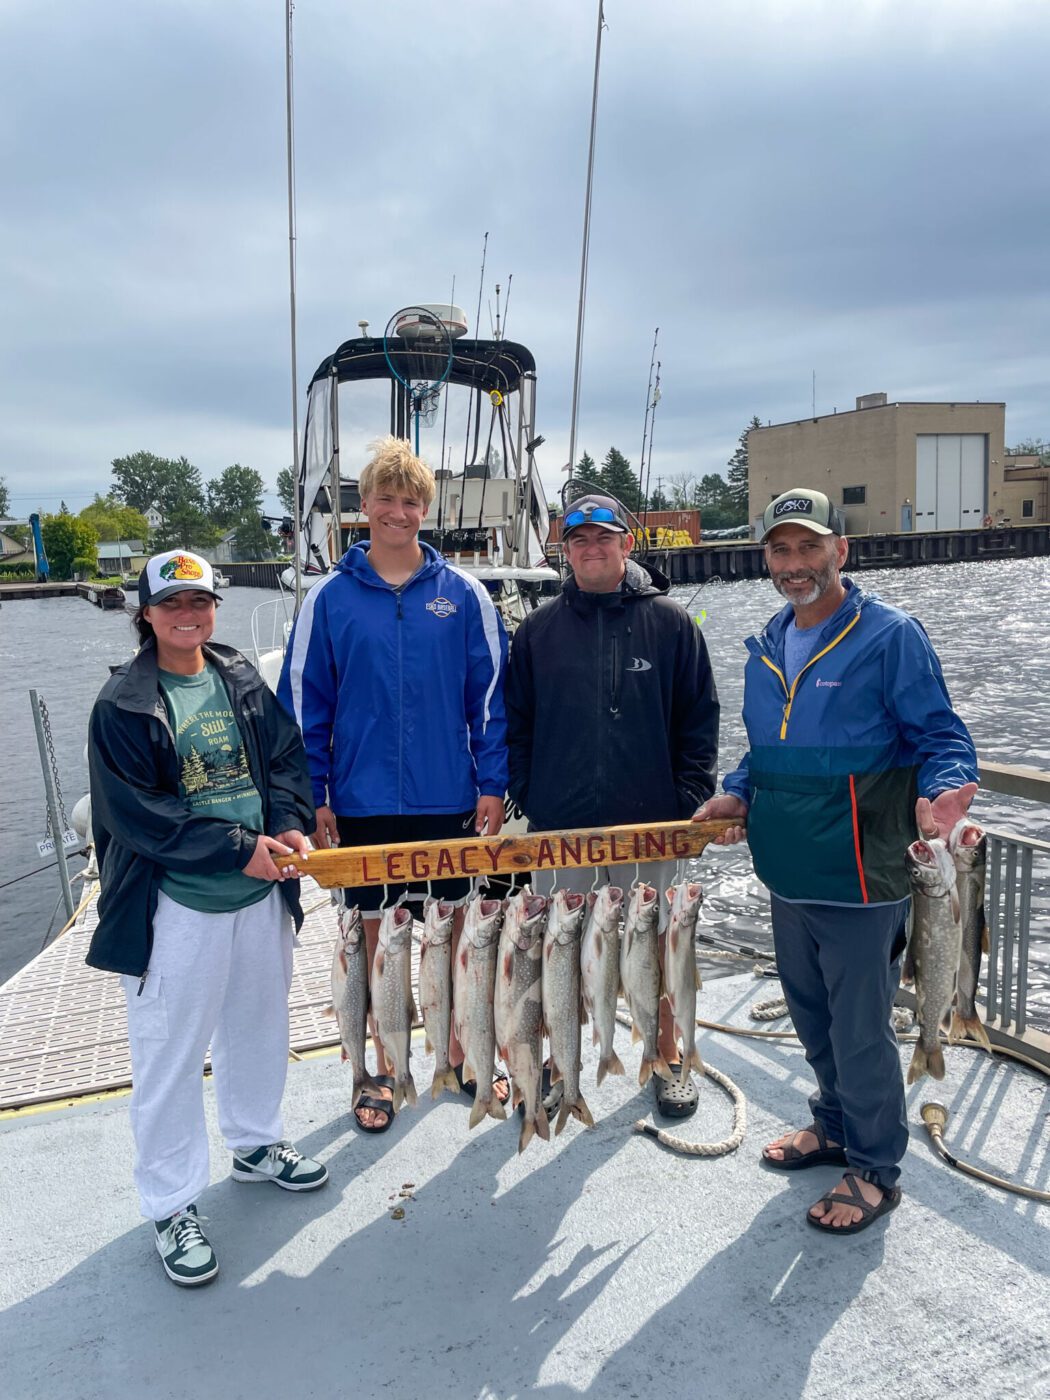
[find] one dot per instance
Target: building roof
(895, 403)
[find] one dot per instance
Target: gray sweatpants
(840, 968)
(221, 979)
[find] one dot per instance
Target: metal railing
(1008, 909)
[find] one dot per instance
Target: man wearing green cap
(852, 740)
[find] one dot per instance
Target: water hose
(935, 1115)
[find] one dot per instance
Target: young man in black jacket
(611, 710)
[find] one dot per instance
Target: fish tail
(542, 1124)
(935, 1062)
(366, 1085)
(496, 1109)
(563, 1116)
(445, 1079)
(609, 1064)
(645, 1072)
(971, 1026)
(917, 1068)
(663, 1069)
(691, 1060)
(580, 1110)
(478, 1111)
(408, 1090)
(528, 1132)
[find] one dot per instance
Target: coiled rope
(699, 1149)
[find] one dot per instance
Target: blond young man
(394, 674)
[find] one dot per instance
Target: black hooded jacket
(141, 825)
(612, 713)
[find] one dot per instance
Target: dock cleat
(282, 1164)
(188, 1258)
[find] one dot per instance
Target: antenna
(645, 429)
(586, 247)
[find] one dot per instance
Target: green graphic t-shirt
(214, 779)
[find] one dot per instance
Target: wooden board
(507, 855)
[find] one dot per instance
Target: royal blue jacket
(399, 694)
(838, 758)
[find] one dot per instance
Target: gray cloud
(782, 188)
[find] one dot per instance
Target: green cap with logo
(801, 507)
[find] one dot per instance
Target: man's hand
(298, 841)
(937, 818)
(490, 814)
(262, 865)
(726, 808)
(327, 833)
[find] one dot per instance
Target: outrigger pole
(571, 464)
(297, 513)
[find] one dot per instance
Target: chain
(45, 720)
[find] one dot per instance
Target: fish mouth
(534, 905)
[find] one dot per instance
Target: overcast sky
(783, 187)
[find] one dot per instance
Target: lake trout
(518, 1008)
(350, 998)
(435, 989)
(936, 938)
(681, 974)
(969, 845)
(562, 1010)
(641, 978)
(392, 1004)
(600, 972)
(474, 987)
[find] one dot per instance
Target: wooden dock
(727, 561)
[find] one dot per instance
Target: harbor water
(988, 621)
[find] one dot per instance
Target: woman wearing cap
(199, 786)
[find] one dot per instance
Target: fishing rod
(586, 246)
(652, 436)
(643, 494)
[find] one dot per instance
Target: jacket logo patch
(441, 607)
(637, 664)
(831, 685)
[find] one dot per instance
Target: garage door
(949, 480)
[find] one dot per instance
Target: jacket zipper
(401, 708)
(811, 662)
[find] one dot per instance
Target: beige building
(890, 466)
(1026, 489)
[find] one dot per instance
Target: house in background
(121, 557)
(12, 551)
(154, 519)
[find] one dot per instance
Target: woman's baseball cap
(801, 507)
(175, 571)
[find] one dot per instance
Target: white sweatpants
(221, 979)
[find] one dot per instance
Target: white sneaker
(184, 1250)
(282, 1164)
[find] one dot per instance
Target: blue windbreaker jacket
(837, 759)
(399, 695)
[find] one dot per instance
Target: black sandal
(377, 1106)
(795, 1160)
(470, 1087)
(676, 1098)
(891, 1199)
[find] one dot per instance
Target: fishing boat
(489, 515)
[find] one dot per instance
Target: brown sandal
(795, 1160)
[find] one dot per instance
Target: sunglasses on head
(591, 515)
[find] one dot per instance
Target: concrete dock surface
(598, 1265)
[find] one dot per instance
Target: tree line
(193, 513)
(721, 500)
